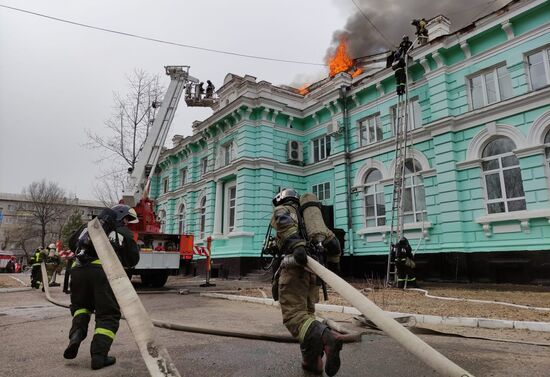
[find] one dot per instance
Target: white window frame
(228, 153)
(321, 188)
(183, 176)
(546, 64)
(321, 148)
(415, 115)
(165, 185)
(202, 218)
(204, 166)
(365, 125)
(378, 189)
(230, 205)
(162, 220)
(181, 219)
(500, 170)
(496, 79)
(418, 216)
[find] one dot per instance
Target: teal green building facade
(478, 185)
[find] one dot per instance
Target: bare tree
(47, 206)
(128, 127)
(23, 236)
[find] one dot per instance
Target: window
(539, 68)
(414, 115)
(204, 165)
(165, 182)
(502, 177)
(162, 220)
(547, 149)
(414, 197)
(321, 148)
(322, 191)
(375, 206)
(227, 156)
(183, 176)
(370, 130)
(202, 218)
(489, 87)
(230, 204)
(181, 219)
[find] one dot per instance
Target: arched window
(162, 220)
(181, 219)
(502, 177)
(202, 219)
(547, 149)
(375, 206)
(414, 197)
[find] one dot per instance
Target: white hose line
(47, 286)
(411, 342)
(19, 280)
(478, 301)
(156, 356)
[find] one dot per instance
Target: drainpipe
(344, 97)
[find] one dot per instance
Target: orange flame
(341, 61)
(303, 90)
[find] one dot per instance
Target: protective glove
(300, 255)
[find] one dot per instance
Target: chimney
(195, 126)
(438, 26)
(176, 140)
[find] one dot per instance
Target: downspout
(344, 97)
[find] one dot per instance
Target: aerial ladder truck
(155, 266)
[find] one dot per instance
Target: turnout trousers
(91, 292)
(298, 294)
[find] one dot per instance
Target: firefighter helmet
(286, 195)
(51, 246)
(122, 211)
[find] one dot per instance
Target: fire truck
(160, 254)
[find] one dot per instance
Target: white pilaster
(218, 210)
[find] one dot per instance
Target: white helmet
(52, 246)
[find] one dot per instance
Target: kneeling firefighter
(299, 234)
(90, 289)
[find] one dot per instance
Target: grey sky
(56, 80)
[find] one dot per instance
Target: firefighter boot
(74, 343)
(102, 361)
(312, 348)
(332, 345)
(101, 344)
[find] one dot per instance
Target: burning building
(477, 197)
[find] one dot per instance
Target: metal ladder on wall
(401, 145)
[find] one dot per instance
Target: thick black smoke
(393, 18)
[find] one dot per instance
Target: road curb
(9, 290)
(486, 323)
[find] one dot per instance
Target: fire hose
(348, 337)
(156, 356)
(412, 343)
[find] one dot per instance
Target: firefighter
(404, 261)
(399, 65)
(52, 265)
(36, 261)
(90, 290)
(421, 29)
(297, 289)
(209, 89)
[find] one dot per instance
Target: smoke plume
(393, 18)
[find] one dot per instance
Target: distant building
(14, 214)
(477, 197)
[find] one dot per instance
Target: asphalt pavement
(34, 332)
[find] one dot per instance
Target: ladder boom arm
(138, 181)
